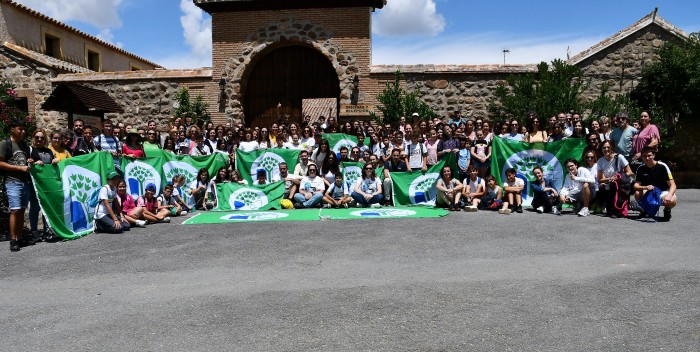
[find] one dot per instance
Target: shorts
(18, 194)
(665, 193)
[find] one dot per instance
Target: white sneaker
(470, 208)
(504, 211)
(376, 205)
(167, 219)
(556, 211)
(183, 213)
(141, 223)
(540, 210)
(326, 206)
(584, 212)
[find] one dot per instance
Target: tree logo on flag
(173, 168)
(423, 189)
(352, 174)
(524, 162)
(138, 174)
(270, 162)
(343, 143)
(247, 199)
(78, 184)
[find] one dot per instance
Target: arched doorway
(286, 76)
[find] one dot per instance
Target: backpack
(621, 203)
(94, 198)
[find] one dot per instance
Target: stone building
(269, 56)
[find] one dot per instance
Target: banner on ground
(64, 189)
(234, 196)
(416, 188)
(248, 163)
(339, 140)
(523, 157)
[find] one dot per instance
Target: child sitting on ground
(168, 201)
(492, 199)
(513, 190)
(337, 195)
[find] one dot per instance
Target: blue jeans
(377, 198)
(315, 199)
(34, 209)
(18, 194)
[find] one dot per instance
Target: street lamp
(505, 51)
(222, 94)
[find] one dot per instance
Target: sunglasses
(39, 137)
(590, 157)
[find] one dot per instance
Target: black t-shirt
(42, 153)
(400, 167)
(657, 176)
(19, 156)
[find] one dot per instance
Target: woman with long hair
(537, 133)
(248, 144)
(579, 130)
(329, 167)
(605, 128)
(264, 139)
(132, 213)
(368, 189)
(318, 156)
(614, 173)
(198, 189)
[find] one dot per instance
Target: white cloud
(486, 48)
(197, 34)
(99, 13)
(107, 35)
(408, 18)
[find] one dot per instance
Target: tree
(185, 105)
(395, 102)
(9, 110)
(672, 83)
(551, 90)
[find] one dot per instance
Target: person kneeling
(578, 189)
(655, 174)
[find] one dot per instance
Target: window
(52, 46)
(93, 60)
(133, 67)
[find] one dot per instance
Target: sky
(177, 34)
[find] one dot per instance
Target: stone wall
(144, 95)
(33, 81)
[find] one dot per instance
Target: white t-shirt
(415, 152)
(474, 185)
(108, 194)
(248, 146)
(368, 185)
(611, 167)
(312, 184)
(336, 192)
(518, 183)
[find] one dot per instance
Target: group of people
(593, 183)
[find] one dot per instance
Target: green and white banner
(64, 189)
(416, 188)
(523, 157)
(269, 160)
(162, 166)
(338, 140)
(234, 196)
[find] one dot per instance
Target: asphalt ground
(466, 282)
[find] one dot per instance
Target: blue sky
(176, 34)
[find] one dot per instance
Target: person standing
(622, 136)
(15, 161)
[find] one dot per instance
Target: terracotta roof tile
(317, 107)
(46, 60)
(495, 68)
(76, 31)
(135, 75)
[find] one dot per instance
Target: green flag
(338, 140)
(63, 191)
(162, 166)
(416, 188)
(352, 171)
(269, 160)
(234, 196)
(523, 157)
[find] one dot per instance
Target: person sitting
(260, 178)
(178, 182)
(492, 200)
(152, 211)
(337, 195)
(513, 190)
(474, 189)
(127, 205)
(655, 174)
(395, 164)
(449, 190)
(106, 219)
(198, 189)
(168, 202)
(311, 189)
(291, 182)
(302, 168)
(578, 189)
(368, 190)
(544, 196)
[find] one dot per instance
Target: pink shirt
(136, 153)
(644, 137)
(127, 203)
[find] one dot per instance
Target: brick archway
(286, 31)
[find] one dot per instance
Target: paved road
(467, 282)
